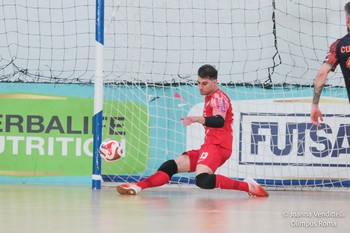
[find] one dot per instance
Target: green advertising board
(43, 135)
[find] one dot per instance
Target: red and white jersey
(218, 103)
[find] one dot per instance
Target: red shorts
(209, 154)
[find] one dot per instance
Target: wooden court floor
(73, 209)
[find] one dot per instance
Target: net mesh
(267, 53)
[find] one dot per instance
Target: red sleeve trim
(332, 58)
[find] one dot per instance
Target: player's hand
(316, 115)
(192, 119)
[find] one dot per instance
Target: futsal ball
(110, 150)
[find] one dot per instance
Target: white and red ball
(110, 150)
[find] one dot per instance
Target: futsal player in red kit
(217, 121)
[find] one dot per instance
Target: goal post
(98, 95)
(267, 53)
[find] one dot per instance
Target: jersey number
(203, 156)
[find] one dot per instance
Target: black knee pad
(206, 181)
(169, 167)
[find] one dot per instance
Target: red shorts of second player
(209, 154)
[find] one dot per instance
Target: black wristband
(216, 121)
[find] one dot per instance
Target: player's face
(206, 86)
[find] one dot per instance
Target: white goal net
(267, 53)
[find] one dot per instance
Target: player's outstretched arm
(216, 121)
(320, 81)
(316, 115)
(193, 119)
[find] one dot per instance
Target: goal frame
(98, 94)
(98, 117)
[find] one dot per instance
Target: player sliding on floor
(217, 148)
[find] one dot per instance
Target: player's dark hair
(347, 8)
(208, 71)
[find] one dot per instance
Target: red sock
(157, 179)
(224, 182)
